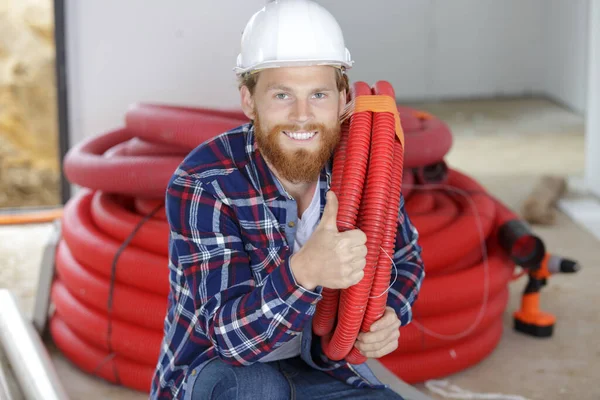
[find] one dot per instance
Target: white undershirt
(306, 225)
(308, 222)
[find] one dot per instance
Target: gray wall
(592, 136)
(445, 49)
(565, 52)
(436, 49)
(120, 52)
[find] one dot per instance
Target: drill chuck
(560, 264)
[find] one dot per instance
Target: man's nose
(301, 111)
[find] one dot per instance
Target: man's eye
(281, 96)
(320, 95)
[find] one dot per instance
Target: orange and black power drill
(530, 319)
(528, 251)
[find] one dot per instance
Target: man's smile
(303, 136)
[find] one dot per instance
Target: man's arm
(215, 294)
(410, 272)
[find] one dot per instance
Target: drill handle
(534, 285)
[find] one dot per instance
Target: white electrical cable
(449, 391)
(443, 387)
(486, 279)
(388, 256)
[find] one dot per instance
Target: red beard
(298, 165)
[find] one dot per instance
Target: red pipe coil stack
(114, 330)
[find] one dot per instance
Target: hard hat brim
(293, 63)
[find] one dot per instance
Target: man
(254, 238)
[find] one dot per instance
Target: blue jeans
(278, 380)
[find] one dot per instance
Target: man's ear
(247, 102)
(342, 102)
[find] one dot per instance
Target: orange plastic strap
(380, 103)
(33, 217)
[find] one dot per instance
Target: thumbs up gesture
(330, 258)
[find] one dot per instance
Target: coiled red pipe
(119, 220)
(415, 340)
(129, 305)
(139, 147)
(458, 308)
(95, 249)
(130, 341)
(418, 367)
(376, 157)
(155, 124)
(145, 206)
(324, 319)
(111, 367)
(85, 165)
(178, 129)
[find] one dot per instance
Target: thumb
(329, 218)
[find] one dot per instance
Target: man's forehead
(298, 78)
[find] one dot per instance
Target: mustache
(299, 128)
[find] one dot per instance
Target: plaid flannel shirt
(233, 294)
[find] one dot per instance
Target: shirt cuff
(291, 293)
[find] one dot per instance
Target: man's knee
(214, 379)
(222, 381)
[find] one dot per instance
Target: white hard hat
(292, 33)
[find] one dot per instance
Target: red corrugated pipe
(367, 174)
(112, 263)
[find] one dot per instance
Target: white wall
(592, 136)
(565, 46)
(445, 49)
(120, 52)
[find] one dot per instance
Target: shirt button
(291, 224)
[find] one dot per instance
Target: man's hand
(382, 338)
(331, 258)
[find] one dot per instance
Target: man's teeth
(301, 135)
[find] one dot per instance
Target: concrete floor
(506, 145)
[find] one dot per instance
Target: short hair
(249, 80)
